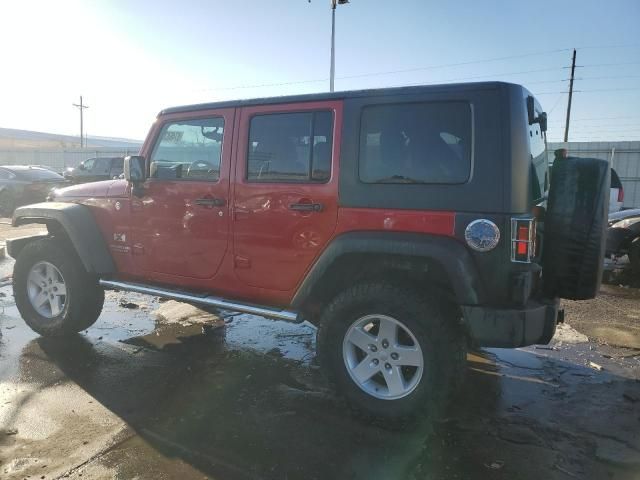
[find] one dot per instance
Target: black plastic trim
(79, 225)
(447, 252)
(510, 328)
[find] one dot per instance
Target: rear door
(180, 219)
(286, 190)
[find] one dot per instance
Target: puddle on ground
(245, 401)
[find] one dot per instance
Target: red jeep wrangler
(403, 222)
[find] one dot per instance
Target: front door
(180, 219)
(286, 189)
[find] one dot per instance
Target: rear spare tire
(575, 228)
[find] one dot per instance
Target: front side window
(290, 147)
(416, 143)
(189, 150)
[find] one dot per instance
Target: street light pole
(333, 45)
(334, 4)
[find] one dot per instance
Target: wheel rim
(46, 289)
(383, 357)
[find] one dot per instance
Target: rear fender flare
(447, 252)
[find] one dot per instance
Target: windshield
(37, 174)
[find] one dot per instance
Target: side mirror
(80, 166)
(134, 169)
(542, 120)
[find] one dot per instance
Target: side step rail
(208, 300)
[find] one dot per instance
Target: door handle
(306, 207)
(210, 202)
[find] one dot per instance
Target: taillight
(621, 194)
(523, 239)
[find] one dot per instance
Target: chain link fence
(60, 160)
(624, 157)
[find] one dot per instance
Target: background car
(616, 198)
(22, 184)
(96, 169)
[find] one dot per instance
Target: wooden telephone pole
(81, 107)
(573, 71)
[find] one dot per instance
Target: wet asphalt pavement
(148, 398)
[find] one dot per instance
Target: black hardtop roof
(311, 97)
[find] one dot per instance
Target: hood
(108, 188)
(623, 215)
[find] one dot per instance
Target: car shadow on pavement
(231, 413)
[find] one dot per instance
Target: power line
(608, 64)
(583, 119)
(593, 90)
(555, 104)
(592, 47)
(391, 72)
(608, 77)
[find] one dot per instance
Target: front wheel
(53, 292)
(391, 352)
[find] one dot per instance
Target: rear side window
(416, 143)
(539, 167)
(290, 147)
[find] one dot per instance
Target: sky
(130, 59)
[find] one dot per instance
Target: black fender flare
(79, 225)
(447, 252)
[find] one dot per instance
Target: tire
(7, 203)
(438, 336)
(68, 314)
(575, 228)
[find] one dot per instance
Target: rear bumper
(509, 328)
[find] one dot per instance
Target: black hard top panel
(313, 97)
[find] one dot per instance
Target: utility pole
(81, 107)
(573, 71)
(332, 74)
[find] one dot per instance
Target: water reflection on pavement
(135, 398)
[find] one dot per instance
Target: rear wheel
(53, 292)
(390, 352)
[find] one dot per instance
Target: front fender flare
(447, 252)
(79, 225)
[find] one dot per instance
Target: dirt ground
(177, 394)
